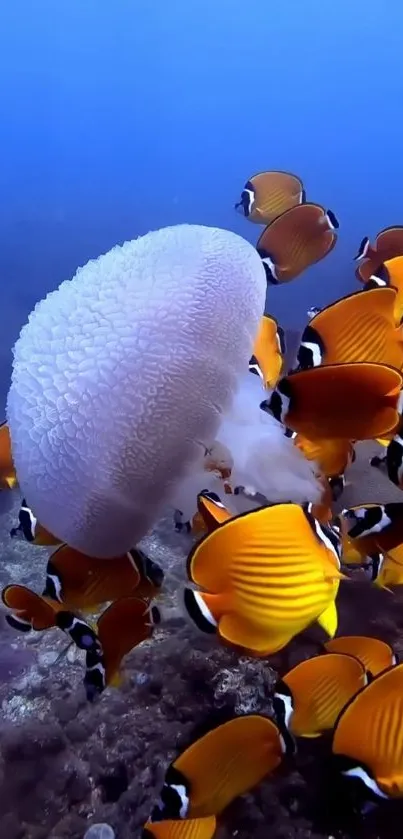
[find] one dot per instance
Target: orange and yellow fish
(358, 328)
(296, 240)
(268, 352)
(375, 655)
(388, 244)
(213, 771)
(309, 698)
(266, 575)
(268, 195)
(367, 742)
(358, 401)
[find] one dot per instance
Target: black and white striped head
(283, 704)
(311, 349)
(198, 611)
(362, 250)
(368, 520)
(278, 403)
(269, 266)
(254, 367)
(246, 204)
(174, 799)
(329, 536)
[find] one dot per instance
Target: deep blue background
(118, 117)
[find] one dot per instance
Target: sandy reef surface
(65, 764)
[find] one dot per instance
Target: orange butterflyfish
(268, 352)
(33, 611)
(296, 240)
(357, 328)
(83, 582)
(309, 698)
(388, 244)
(8, 477)
(366, 742)
(31, 530)
(212, 772)
(375, 655)
(356, 401)
(267, 575)
(181, 829)
(121, 627)
(268, 195)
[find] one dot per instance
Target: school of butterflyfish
(130, 390)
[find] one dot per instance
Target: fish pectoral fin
(328, 620)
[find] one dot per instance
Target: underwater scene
(201, 425)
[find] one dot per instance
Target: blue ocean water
(120, 117)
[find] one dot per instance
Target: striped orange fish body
(273, 573)
(369, 733)
(268, 195)
(215, 768)
(360, 328)
(267, 358)
(342, 401)
(320, 687)
(375, 655)
(296, 240)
